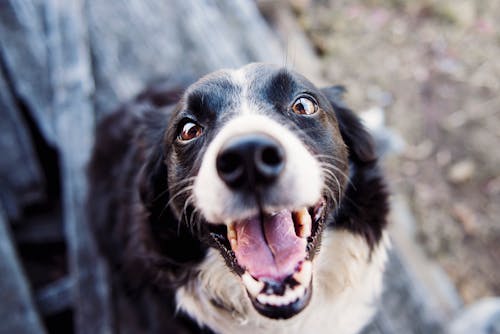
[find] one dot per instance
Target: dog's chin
(273, 253)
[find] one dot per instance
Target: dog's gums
(273, 253)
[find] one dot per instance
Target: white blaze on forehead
(299, 185)
(240, 79)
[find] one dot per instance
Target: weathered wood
(429, 282)
(17, 310)
(134, 42)
(42, 227)
(24, 184)
(71, 81)
(402, 309)
(55, 297)
(481, 317)
(24, 57)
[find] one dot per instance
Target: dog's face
(256, 164)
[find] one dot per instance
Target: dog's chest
(347, 282)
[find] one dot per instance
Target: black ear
(364, 213)
(354, 134)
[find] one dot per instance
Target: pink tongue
(276, 258)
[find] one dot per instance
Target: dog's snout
(250, 160)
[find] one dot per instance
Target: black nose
(250, 160)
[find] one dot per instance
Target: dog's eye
(190, 131)
(304, 106)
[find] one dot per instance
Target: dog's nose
(250, 160)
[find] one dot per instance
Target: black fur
(364, 207)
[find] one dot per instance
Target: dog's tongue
(269, 249)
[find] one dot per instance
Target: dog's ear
(365, 211)
(354, 134)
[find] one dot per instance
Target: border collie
(252, 201)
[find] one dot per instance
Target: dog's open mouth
(273, 253)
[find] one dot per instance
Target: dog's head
(257, 165)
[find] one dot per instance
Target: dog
(251, 200)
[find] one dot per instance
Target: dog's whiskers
(328, 166)
(177, 194)
(328, 157)
(180, 192)
(332, 183)
(192, 222)
(177, 184)
(184, 213)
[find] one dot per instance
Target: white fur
(346, 285)
(298, 186)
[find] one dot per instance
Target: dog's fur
(154, 227)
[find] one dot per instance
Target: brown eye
(304, 106)
(190, 131)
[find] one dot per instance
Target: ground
(433, 67)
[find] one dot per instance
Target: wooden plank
(134, 42)
(23, 181)
(55, 297)
(17, 310)
(24, 56)
(71, 80)
(40, 228)
(402, 309)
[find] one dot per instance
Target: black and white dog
(254, 202)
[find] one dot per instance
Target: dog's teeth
(233, 243)
(253, 286)
(302, 219)
(231, 235)
(289, 296)
(303, 276)
(263, 299)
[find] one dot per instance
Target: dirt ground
(433, 67)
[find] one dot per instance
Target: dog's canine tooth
(231, 235)
(233, 243)
(303, 219)
(253, 286)
(303, 276)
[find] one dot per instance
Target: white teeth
(253, 286)
(303, 276)
(231, 235)
(290, 296)
(303, 222)
(269, 299)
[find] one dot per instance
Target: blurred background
(423, 75)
